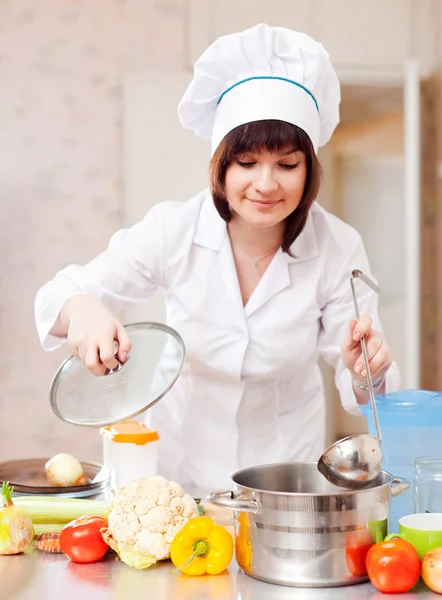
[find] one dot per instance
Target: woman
(256, 274)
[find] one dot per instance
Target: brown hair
(273, 136)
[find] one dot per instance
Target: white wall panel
(161, 160)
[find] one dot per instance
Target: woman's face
(264, 188)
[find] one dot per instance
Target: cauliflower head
(146, 515)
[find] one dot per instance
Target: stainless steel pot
(292, 527)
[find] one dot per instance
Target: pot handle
(226, 500)
(399, 485)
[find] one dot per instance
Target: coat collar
(211, 232)
(211, 229)
(306, 245)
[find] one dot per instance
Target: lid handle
(120, 364)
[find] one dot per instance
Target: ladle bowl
(353, 462)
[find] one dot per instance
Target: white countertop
(53, 577)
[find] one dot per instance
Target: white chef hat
(262, 73)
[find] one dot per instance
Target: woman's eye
(290, 167)
(245, 164)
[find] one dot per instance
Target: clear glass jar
(428, 484)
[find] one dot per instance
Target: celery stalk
(35, 498)
(40, 528)
(61, 510)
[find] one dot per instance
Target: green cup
(422, 530)
(378, 530)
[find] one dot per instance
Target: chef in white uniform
(255, 272)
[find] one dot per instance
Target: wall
(61, 70)
(438, 211)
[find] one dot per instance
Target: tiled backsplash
(61, 69)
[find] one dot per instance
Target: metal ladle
(355, 461)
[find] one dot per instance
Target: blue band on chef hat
(270, 77)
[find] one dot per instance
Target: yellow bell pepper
(202, 547)
(242, 542)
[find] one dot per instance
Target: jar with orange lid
(130, 451)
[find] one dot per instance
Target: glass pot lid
(154, 364)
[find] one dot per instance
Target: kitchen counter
(42, 576)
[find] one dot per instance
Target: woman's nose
(265, 181)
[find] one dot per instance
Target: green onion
(61, 510)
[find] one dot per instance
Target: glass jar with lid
(129, 451)
(428, 484)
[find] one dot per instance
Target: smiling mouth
(264, 203)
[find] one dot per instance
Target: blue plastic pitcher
(411, 427)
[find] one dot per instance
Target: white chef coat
(251, 390)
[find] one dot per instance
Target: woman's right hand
(92, 330)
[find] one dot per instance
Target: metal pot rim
(339, 491)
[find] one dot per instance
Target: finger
(75, 345)
(92, 360)
(380, 362)
(373, 346)
(362, 327)
(79, 346)
(349, 342)
(124, 343)
(82, 350)
(107, 352)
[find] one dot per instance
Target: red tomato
(356, 559)
(81, 540)
(359, 543)
(394, 566)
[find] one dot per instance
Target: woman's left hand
(378, 350)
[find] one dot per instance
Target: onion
(16, 529)
(64, 470)
(432, 569)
